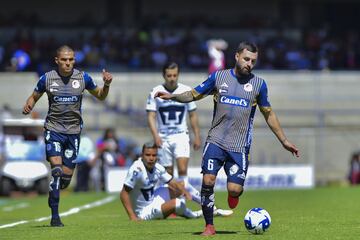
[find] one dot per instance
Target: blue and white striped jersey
(235, 102)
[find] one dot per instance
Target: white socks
(196, 197)
(182, 210)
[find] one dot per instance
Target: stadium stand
(301, 45)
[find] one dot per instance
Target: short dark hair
(149, 144)
(169, 65)
(247, 45)
(63, 48)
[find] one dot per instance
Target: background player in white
(167, 122)
(138, 196)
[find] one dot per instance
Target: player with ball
(236, 92)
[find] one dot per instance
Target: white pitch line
(17, 206)
(64, 214)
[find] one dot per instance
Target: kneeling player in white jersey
(138, 196)
(167, 122)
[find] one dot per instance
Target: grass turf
(320, 213)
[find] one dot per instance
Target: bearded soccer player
(64, 88)
(167, 122)
(237, 92)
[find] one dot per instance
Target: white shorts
(174, 146)
(153, 210)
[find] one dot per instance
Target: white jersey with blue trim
(235, 101)
(142, 182)
(171, 116)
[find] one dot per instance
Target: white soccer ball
(257, 220)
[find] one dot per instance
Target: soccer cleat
(222, 212)
(56, 222)
(233, 201)
(209, 230)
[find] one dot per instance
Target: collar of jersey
(169, 90)
(241, 80)
(65, 79)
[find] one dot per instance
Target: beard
(242, 71)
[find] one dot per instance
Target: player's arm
(184, 97)
(201, 91)
(274, 124)
(194, 122)
(31, 101)
(272, 120)
(35, 96)
(151, 118)
(179, 189)
(102, 92)
(125, 199)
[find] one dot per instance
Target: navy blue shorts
(64, 145)
(236, 163)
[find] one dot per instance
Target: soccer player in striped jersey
(167, 122)
(64, 88)
(237, 92)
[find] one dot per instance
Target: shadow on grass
(44, 226)
(220, 232)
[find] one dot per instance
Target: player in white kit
(167, 122)
(138, 196)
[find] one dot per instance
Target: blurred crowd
(144, 50)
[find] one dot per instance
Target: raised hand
(107, 77)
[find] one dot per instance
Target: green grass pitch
(320, 213)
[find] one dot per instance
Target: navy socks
(207, 203)
(54, 191)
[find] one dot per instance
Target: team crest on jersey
(75, 84)
(248, 87)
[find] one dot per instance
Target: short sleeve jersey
(142, 183)
(65, 97)
(235, 102)
(171, 116)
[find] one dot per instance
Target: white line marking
(17, 206)
(13, 224)
(67, 213)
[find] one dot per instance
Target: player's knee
(236, 192)
(65, 181)
(182, 172)
(56, 171)
(209, 179)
